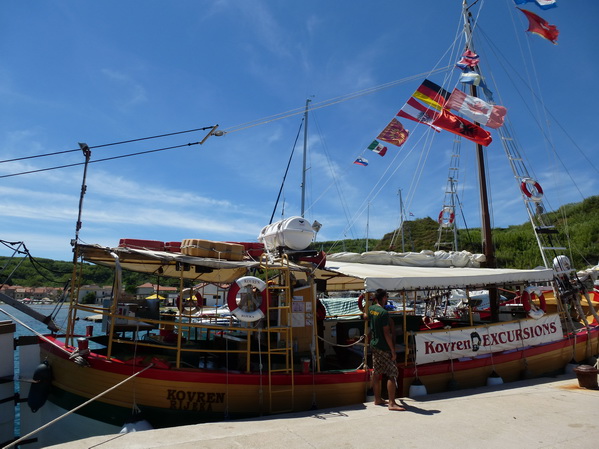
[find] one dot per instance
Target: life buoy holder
(361, 299)
(527, 296)
(446, 216)
(240, 314)
(532, 189)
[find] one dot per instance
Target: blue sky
(104, 72)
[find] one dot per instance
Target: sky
(113, 71)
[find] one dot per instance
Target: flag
(411, 214)
(475, 79)
(469, 60)
(361, 161)
(416, 111)
(543, 4)
(462, 127)
(431, 94)
(394, 133)
(378, 147)
(540, 26)
(476, 109)
(470, 78)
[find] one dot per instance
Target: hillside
(515, 248)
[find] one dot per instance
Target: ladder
(546, 234)
(279, 335)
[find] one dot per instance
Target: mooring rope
(14, 443)
(43, 337)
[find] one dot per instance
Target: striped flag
(413, 110)
(543, 4)
(432, 94)
(361, 161)
(378, 148)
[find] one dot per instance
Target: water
(60, 319)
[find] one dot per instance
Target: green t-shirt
(379, 318)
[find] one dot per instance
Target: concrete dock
(538, 413)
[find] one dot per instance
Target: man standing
(383, 350)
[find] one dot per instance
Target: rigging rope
(89, 401)
(247, 125)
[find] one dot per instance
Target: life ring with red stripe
(446, 216)
(361, 299)
(532, 189)
(245, 282)
(527, 300)
(190, 303)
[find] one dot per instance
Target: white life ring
(532, 189)
(446, 217)
(240, 314)
(528, 305)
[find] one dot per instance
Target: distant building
(148, 289)
(102, 293)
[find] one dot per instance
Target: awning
(155, 296)
(357, 276)
(174, 265)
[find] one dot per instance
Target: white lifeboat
(295, 233)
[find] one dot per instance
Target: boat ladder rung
(279, 350)
(559, 248)
(282, 396)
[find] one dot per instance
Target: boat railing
(180, 334)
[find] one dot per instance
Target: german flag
(432, 94)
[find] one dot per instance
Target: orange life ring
(361, 299)
(527, 301)
(532, 189)
(247, 281)
(194, 302)
(443, 219)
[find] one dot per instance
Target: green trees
(515, 247)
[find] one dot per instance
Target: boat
(272, 350)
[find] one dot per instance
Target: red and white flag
(476, 109)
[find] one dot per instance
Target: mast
(403, 217)
(367, 224)
(486, 234)
(304, 157)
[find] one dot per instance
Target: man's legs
(391, 391)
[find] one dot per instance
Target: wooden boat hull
(173, 397)
(533, 361)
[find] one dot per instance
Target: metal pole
(486, 234)
(304, 158)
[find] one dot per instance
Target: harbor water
(60, 316)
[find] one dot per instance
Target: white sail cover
(423, 258)
(398, 278)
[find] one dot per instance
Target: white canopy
(346, 275)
